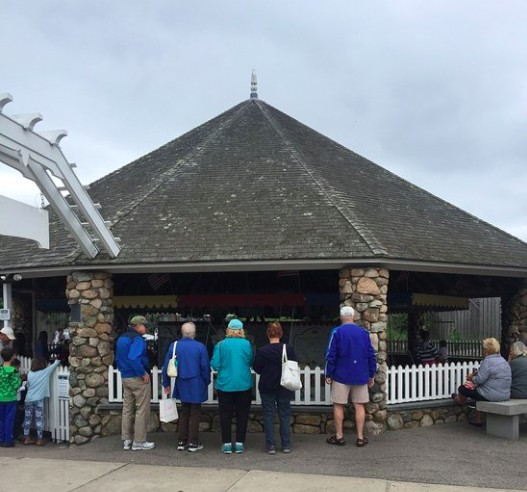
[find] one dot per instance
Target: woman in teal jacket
(233, 358)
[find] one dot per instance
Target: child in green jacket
(9, 384)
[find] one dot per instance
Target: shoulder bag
(290, 373)
(172, 364)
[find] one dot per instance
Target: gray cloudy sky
(435, 91)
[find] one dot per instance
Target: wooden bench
(503, 417)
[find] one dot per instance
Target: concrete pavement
(449, 457)
(48, 475)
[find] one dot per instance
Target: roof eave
(269, 265)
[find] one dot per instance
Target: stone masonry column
(90, 297)
(514, 317)
(366, 289)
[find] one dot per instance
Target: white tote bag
(290, 373)
(172, 364)
(168, 410)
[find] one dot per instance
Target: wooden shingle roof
(253, 186)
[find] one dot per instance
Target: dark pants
(470, 393)
(7, 421)
(189, 417)
(277, 402)
(239, 404)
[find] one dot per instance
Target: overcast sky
(433, 90)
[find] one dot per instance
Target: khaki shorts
(340, 393)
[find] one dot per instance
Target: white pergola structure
(38, 157)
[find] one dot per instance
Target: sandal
(362, 442)
(337, 442)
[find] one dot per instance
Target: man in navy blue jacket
(350, 369)
(132, 361)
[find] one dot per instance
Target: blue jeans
(271, 403)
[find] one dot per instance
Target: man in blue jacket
(350, 369)
(132, 361)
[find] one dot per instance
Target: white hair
(188, 330)
(518, 349)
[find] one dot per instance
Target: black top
(268, 363)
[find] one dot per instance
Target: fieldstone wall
(91, 352)
(366, 290)
(425, 417)
(515, 316)
(316, 421)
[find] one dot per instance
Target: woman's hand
(166, 390)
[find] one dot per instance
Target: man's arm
(135, 355)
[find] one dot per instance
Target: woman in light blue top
(233, 358)
(37, 389)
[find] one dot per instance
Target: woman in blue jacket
(233, 358)
(190, 386)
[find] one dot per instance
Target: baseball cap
(8, 332)
(235, 324)
(138, 320)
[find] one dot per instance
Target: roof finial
(254, 85)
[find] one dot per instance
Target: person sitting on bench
(492, 382)
(518, 362)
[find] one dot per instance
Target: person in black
(268, 363)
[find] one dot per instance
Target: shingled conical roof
(254, 186)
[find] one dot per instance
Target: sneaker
(127, 444)
(286, 450)
(227, 448)
(239, 448)
(195, 447)
(181, 445)
(144, 445)
(271, 451)
(8, 444)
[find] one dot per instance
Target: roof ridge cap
(373, 243)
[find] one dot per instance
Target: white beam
(34, 156)
(21, 220)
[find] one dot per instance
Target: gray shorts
(340, 393)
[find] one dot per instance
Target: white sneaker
(127, 444)
(144, 445)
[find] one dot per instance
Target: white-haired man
(350, 369)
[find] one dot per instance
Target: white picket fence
(423, 383)
(313, 392)
(56, 408)
(405, 384)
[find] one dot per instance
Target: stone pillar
(366, 289)
(90, 296)
(514, 316)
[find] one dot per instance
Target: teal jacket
(233, 358)
(9, 383)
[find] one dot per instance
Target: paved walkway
(449, 457)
